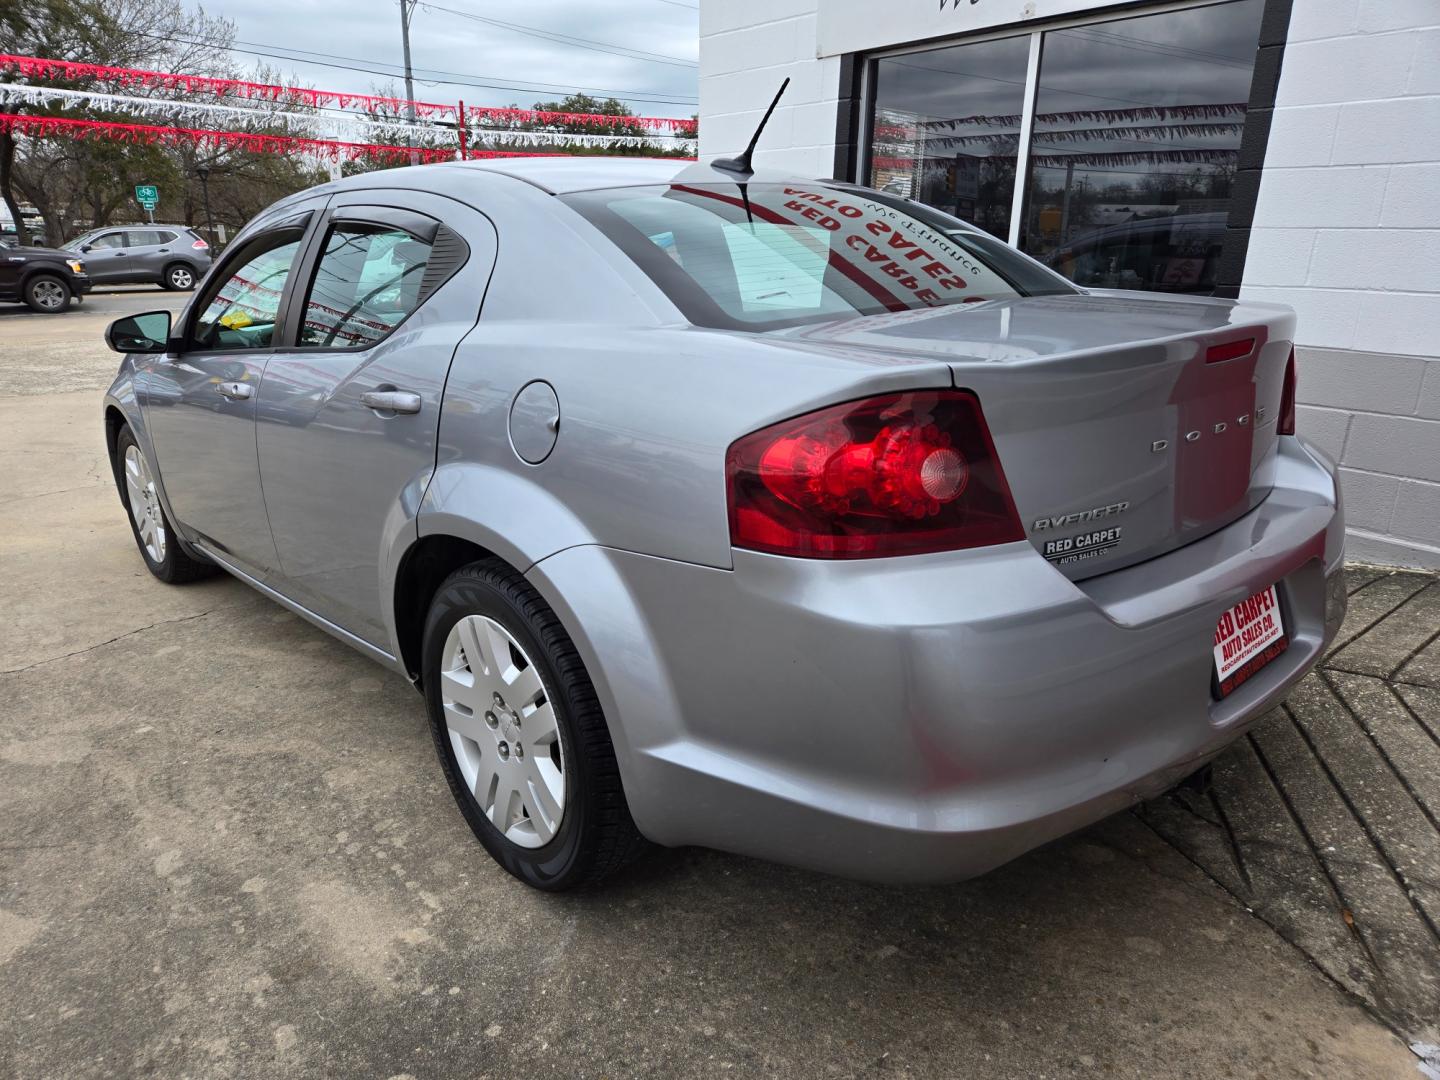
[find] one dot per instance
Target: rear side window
(367, 283)
(761, 256)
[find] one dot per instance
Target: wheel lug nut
(504, 750)
(519, 750)
(490, 719)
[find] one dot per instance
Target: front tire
(47, 294)
(154, 534)
(520, 735)
(178, 278)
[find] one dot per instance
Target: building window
(947, 123)
(1134, 138)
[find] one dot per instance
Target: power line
(470, 81)
(566, 39)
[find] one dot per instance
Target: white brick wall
(747, 48)
(1347, 231)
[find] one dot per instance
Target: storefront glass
(947, 123)
(1137, 132)
(1135, 139)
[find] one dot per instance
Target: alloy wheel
(503, 730)
(182, 278)
(144, 504)
(49, 295)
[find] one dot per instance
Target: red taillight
(200, 245)
(1285, 421)
(902, 474)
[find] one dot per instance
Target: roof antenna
(741, 164)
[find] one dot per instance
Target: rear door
(150, 252)
(200, 402)
(107, 258)
(348, 415)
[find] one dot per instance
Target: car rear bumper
(929, 718)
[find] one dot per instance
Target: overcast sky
(658, 78)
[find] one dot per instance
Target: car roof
(561, 175)
(137, 225)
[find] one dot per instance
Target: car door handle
(164, 251)
(235, 391)
(398, 401)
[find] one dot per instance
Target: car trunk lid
(1127, 425)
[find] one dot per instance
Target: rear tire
(154, 534)
(178, 277)
(487, 619)
(47, 294)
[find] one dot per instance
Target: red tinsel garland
(39, 67)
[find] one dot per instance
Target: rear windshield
(762, 256)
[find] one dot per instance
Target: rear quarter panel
(648, 404)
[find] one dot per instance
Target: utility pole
(203, 172)
(407, 9)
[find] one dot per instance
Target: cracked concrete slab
(226, 851)
(1334, 839)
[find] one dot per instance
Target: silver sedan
(770, 514)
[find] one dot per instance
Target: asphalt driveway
(226, 850)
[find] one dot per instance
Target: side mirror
(145, 333)
(85, 247)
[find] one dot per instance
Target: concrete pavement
(45, 354)
(226, 850)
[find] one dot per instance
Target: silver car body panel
(918, 718)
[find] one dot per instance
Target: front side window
(366, 284)
(107, 240)
(759, 256)
(242, 308)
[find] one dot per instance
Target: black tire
(597, 836)
(48, 294)
(178, 277)
(176, 567)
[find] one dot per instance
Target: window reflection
(1136, 138)
(946, 128)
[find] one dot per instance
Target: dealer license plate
(1248, 637)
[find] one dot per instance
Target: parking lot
(226, 850)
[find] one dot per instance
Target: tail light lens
(1285, 421)
(902, 474)
(200, 245)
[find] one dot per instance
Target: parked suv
(175, 256)
(44, 278)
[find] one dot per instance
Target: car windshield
(762, 256)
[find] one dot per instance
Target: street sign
(148, 196)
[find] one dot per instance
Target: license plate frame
(1248, 636)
